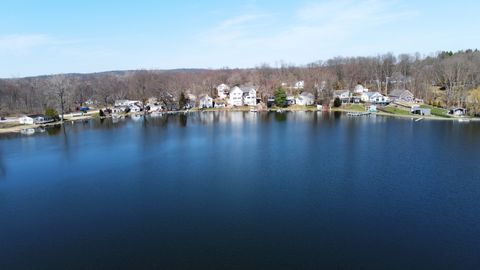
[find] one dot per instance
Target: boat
(419, 119)
(463, 120)
(279, 111)
(253, 110)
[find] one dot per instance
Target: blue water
(239, 190)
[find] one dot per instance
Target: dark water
(242, 191)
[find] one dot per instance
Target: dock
(358, 114)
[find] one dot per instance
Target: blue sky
(46, 37)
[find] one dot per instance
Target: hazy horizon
(88, 37)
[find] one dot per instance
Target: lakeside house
(155, 108)
(299, 85)
(270, 102)
(249, 96)
(374, 97)
(343, 95)
(219, 103)
(134, 108)
(25, 120)
(223, 91)
(38, 119)
(191, 101)
(421, 111)
(127, 103)
(401, 95)
(205, 102)
(457, 111)
(305, 99)
(236, 97)
(290, 100)
(359, 89)
(119, 109)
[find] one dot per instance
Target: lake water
(239, 190)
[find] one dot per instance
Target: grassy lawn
(394, 110)
(9, 125)
(354, 107)
(437, 111)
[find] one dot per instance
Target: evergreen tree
(182, 101)
(337, 102)
(280, 97)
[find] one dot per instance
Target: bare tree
(59, 85)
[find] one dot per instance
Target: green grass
(436, 111)
(354, 107)
(397, 111)
(9, 125)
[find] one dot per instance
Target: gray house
(401, 95)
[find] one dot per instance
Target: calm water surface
(242, 191)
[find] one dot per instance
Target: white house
(359, 89)
(236, 97)
(305, 99)
(290, 100)
(134, 108)
(25, 120)
(457, 111)
(401, 95)
(249, 96)
(374, 97)
(120, 109)
(205, 102)
(155, 108)
(299, 85)
(343, 95)
(127, 103)
(223, 90)
(191, 101)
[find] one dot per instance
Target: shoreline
(19, 128)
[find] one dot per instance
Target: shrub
(52, 113)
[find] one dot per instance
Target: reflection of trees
(66, 144)
(3, 168)
(280, 117)
(183, 119)
(54, 130)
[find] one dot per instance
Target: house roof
(359, 88)
(204, 96)
(235, 88)
(371, 94)
(339, 92)
(247, 89)
(224, 86)
(36, 115)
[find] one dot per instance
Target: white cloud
(230, 31)
(330, 27)
(23, 43)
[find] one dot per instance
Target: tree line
(444, 79)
